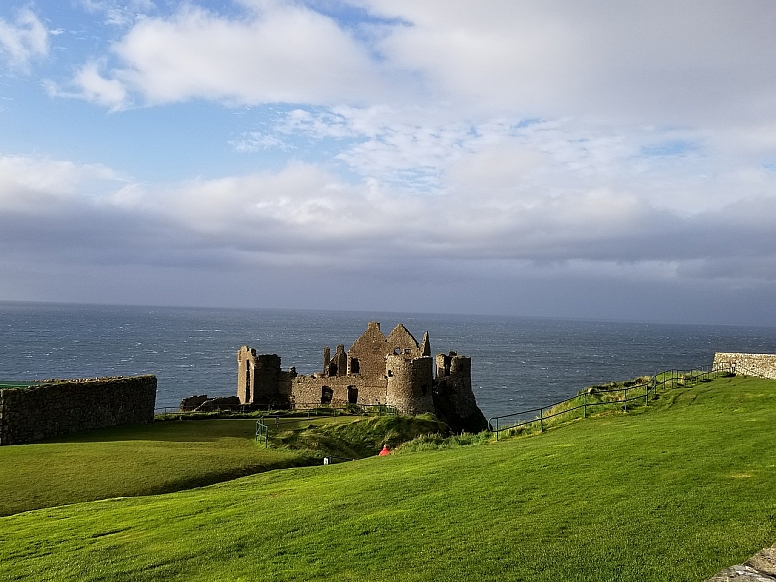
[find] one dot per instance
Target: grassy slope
(674, 494)
(170, 456)
(133, 460)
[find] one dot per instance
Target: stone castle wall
(62, 407)
(410, 383)
(759, 365)
(307, 390)
(454, 399)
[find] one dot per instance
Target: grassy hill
(675, 492)
(163, 457)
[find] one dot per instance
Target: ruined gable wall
(370, 349)
(67, 406)
(401, 341)
(759, 365)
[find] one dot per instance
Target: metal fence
(637, 393)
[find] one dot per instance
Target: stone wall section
(309, 390)
(61, 407)
(370, 350)
(758, 365)
(454, 399)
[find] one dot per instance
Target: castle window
(355, 367)
(407, 351)
(352, 395)
(326, 395)
(333, 369)
(397, 351)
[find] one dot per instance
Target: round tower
(409, 384)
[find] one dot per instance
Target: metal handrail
(651, 385)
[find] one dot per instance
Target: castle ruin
(392, 370)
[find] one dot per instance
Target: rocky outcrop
(190, 403)
(759, 568)
(220, 403)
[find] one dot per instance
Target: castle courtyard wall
(306, 390)
(62, 407)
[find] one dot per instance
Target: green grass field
(170, 456)
(676, 492)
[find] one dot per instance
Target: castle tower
(246, 361)
(410, 383)
(258, 377)
(454, 399)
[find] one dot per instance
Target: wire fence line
(639, 392)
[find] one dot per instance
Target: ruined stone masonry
(377, 369)
(758, 365)
(58, 407)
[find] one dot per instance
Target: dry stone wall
(62, 407)
(759, 365)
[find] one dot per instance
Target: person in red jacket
(385, 451)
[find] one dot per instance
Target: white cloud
(44, 187)
(286, 53)
(661, 62)
(256, 141)
(24, 41)
(89, 84)
(119, 13)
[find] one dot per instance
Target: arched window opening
(326, 395)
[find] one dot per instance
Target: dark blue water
(516, 362)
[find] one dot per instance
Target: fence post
(625, 398)
(541, 420)
(584, 406)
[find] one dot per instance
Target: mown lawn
(675, 493)
(133, 460)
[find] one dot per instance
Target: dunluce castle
(393, 370)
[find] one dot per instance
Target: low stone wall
(759, 365)
(60, 407)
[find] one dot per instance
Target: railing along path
(640, 391)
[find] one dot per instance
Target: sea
(517, 362)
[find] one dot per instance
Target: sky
(558, 158)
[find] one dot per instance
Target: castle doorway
(352, 395)
(326, 395)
